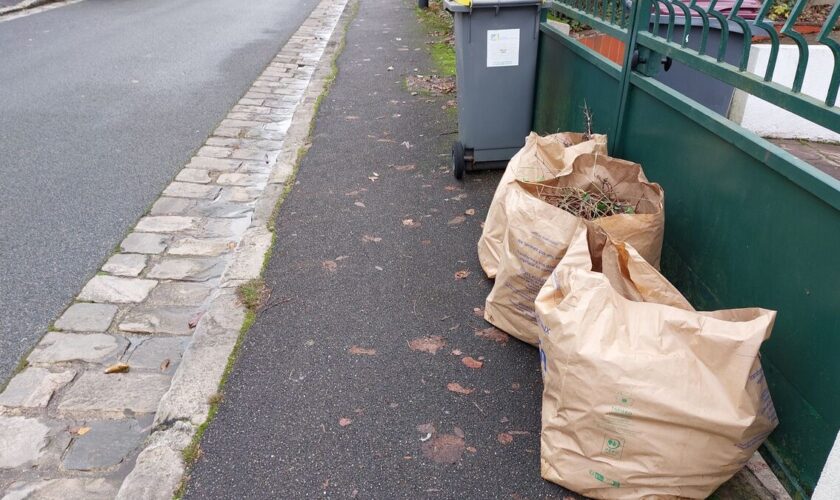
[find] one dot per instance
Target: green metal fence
(747, 224)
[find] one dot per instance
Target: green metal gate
(747, 224)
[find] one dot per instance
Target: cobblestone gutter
(165, 304)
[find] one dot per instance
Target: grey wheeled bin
(496, 61)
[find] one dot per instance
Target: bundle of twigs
(599, 202)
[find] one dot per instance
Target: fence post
(639, 17)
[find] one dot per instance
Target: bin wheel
(458, 162)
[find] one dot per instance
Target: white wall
(768, 120)
(828, 488)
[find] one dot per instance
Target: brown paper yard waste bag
(537, 233)
(542, 158)
(643, 396)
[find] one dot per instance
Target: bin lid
(467, 5)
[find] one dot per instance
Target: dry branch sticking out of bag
(590, 205)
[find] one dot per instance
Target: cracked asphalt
(368, 244)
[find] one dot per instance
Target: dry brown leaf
(344, 421)
(462, 274)
(359, 204)
(410, 223)
(456, 220)
(164, 364)
(427, 344)
(469, 211)
(444, 449)
(471, 362)
(404, 168)
(361, 351)
(194, 320)
(504, 438)
(493, 334)
(78, 431)
(330, 265)
(117, 368)
(459, 389)
(231, 245)
(368, 239)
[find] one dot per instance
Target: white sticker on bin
(502, 48)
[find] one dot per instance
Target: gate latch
(647, 62)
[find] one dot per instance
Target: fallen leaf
(456, 220)
(368, 239)
(362, 351)
(459, 389)
(231, 245)
(427, 344)
(164, 364)
(117, 368)
(344, 421)
(493, 334)
(79, 431)
(410, 223)
(330, 265)
(462, 274)
(194, 320)
(359, 204)
(404, 168)
(456, 352)
(444, 449)
(469, 211)
(478, 311)
(426, 428)
(504, 438)
(471, 362)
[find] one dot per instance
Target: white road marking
(36, 10)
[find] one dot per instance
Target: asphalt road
(302, 415)
(101, 103)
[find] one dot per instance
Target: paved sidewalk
(824, 156)
(340, 389)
